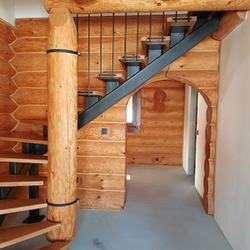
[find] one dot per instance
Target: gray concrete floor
(163, 212)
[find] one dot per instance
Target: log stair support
(12, 235)
(112, 80)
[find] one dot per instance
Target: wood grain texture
(105, 200)
(36, 112)
(5, 50)
(30, 44)
(21, 180)
(100, 148)
(229, 21)
(19, 205)
(62, 124)
(31, 79)
(161, 134)
(93, 131)
(142, 6)
(32, 27)
(7, 122)
(101, 164)
(7, 105)
(13, 235)
(7, 87)
(6, 32)
(23, 137)
(101, 182)
(26, 96)
(30, 62)
(6, 68)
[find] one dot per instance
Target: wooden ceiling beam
(120, 6)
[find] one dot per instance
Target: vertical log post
(62, 124)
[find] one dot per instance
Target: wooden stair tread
(36, 122)
(19, 205)
(58, 245)
(22, 158)
(21, 180)
(23, 137)
(91, 93)
(131, 59)
(13, 235)
(109, 76)
(189, 23)
(165, 42)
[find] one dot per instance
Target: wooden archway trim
(118, 6)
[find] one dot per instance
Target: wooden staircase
(13, 235)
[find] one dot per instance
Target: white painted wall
(12, 9)
(189, 132)
(29, 9)
(200, 145)
(232, 186)
(7, 11)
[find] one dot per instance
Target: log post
(62, 124)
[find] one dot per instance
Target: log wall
(102, 157)
(7, 86)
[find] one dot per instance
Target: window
(134, 112)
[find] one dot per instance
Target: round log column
(62, 123)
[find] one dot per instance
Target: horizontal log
(95, 62)
(38, 112)
(104, 200)
(79, 7)
(148, 149)
(170, 160)
(30, 44)
(207, 45)
(6, 32)
(101, 182)
(7, 122)
(32, 27)
(5, 50)
(29, 128)
(6, 68)
(83, 80)
(164, 82)
(7, 105)
(101, 165)
(170, 112)
(228, 23)
(25, 96)
(197, 61)
(162, 122)
(134, 140)
(93, 131)
(104, 148)
(162, 131)
(7, 86)
(6, 145)
(199, 78)
(31, 79)
(30, 62)
(113, 115)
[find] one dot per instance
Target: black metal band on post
(64, 51)
(62, 205)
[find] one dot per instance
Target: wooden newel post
(62, 124)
